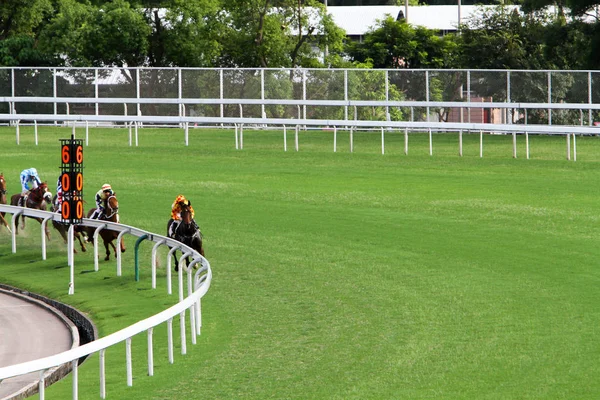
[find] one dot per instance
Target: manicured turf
(341, 275)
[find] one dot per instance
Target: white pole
(119, 238)
(187, 133)
(514, 140)
(35, 131)
(237, 146)
(18, 133)
(574, 149)
(150, 354)
(296, 138)
(284, 138)
(170, 339)
(42, 385)
(382, 142)
(351, 139)
(480, 144)
(44, 227)
(130, 139)
(87, 132)
(128, 361)
(182, 329)
(527, 144)
(242, 137)
(430, 143)
(102, 374)
(135, 130)
(460, 143)
(568, 147)
(75, 374)
(406, 141)
(335, 139)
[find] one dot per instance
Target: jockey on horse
(104, 193)
(176, 213)
(29, 180)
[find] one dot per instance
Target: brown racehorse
(63, 229)
(3, 200)
(111, 213)
(37, 199)
(187, 232)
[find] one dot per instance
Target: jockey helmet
(33, 171)
(106, 187)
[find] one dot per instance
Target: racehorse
(111, 213)
(63, 228)
(37, 199)
(3, 200)
(185, 231)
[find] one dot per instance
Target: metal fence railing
(198, 282)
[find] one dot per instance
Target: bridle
(114, 210)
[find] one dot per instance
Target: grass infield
(340, 275)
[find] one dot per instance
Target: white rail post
(118, 247)
(568, 146)
(170, 339)
(102, 374)
(514, 143)
(42, 385)
(96, 234)
(18, 131)
(460, 142)
(87, 132)
(154, 250)
(150, 354)
(574, 149)
(335, 139)
(128, 361)
(44, 227)
(14, 221)
(430, 143)
(187, 133)
(75, 373)
(237, 146)
(382, 141)
(351, 139)
(296, 138)
(135, 131)
(527, 144)
(35, 132)
(169, 255)
(405, 141)
(481, 144)
(284, 138)
(192, 311)
(130, 135)
(241, 136)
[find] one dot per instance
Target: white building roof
(357, 20)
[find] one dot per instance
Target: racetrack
(30, 330)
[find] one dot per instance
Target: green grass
(341, 275)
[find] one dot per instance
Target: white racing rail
(198, 283)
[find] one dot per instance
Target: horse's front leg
(3, 222)
(78, 236)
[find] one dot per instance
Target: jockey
(176, 213)
(104, 193)
(29, 180)
(176, 207)
(59, 193)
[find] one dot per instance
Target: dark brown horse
(64, 228)
(185, 231)
(3, 200)
(111, 213)
(37, 199)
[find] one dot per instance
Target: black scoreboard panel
(71, 180)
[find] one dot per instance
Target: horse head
(2, 184)
(112, 206)
(41, 193)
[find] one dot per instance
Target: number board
(71, 180)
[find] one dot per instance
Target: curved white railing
(197, 286)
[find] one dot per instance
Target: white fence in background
(198, 283)
(238, 123)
